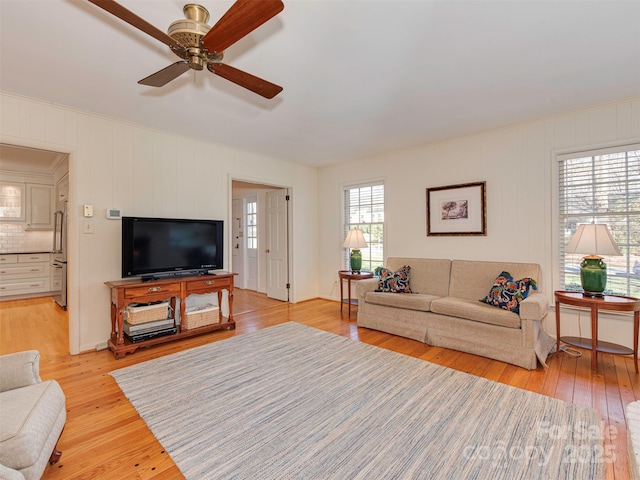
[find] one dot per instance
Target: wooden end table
(608, 302)
(349, 275)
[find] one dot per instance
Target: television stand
(126, 292)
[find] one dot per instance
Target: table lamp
(355, 241)
(594, 240)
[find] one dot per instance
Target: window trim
(558, 156)
(344, 262)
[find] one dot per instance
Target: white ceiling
(360, 77)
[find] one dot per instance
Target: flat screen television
(162, 247)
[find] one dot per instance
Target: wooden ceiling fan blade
(246, 80)
(165, 75)
(114, 8)
(242, 18)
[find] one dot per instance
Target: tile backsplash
(15, 238)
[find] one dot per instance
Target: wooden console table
(126, 292)
(608, 302)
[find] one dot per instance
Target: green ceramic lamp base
(356, 260)
(593, 276)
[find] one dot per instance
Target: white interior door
(277, 244)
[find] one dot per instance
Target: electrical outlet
(101, 346)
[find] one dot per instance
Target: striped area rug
(294, 402)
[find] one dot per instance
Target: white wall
(516, 162)
(145, 172)
(148, 172)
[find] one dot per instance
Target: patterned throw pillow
(394, 282)
(507, 293)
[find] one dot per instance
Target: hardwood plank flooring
(105, 438)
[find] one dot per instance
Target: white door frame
(262, 241)
(73, 254)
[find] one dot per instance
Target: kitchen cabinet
(31, 203)
(39, 215)
(12, 201)
(24, 273)
(62, 189)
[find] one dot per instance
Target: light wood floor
(104, 437)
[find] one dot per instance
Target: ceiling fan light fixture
(189, 31)
(196, 12)
(194, 57)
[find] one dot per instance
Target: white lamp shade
(355, 239)
(593, 239)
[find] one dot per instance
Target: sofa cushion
(472, 279)
(28, 416)
(417, 301)
(428, 275)
(507, 293)
(395, 282)
(474, 310)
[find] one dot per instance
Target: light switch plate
(88, 211)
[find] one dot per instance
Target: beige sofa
(445, 310)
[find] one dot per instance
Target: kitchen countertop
(21, 252)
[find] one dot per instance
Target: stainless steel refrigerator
(59, 257)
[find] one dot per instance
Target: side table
(349, 275)
(607, 302)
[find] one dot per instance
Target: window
(364, 209)
(602, 186)
(252, 224)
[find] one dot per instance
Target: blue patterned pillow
(394, 282)
(507, 293)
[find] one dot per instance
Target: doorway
(44, 176)
(260, 238)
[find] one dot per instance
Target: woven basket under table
(200, 316)
(135, 315)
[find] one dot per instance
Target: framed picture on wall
(457, 209)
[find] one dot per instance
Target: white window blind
(364, 209)
(602, 186)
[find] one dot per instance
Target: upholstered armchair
(32, 416)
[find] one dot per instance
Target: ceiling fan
(198, 44)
